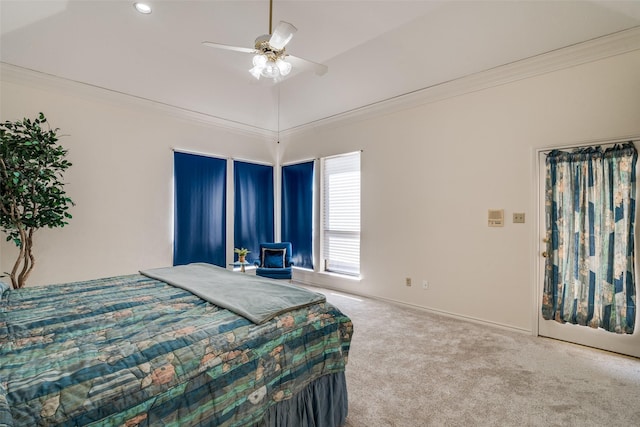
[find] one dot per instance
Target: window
(253, 193)
(341, 214)
(297, 211)
(200, 219)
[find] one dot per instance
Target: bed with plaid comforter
(134, 351)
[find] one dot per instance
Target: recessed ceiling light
(142, 8)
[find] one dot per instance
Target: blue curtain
(200, 185)
(590, 213)
(297, 212)
(254, 221)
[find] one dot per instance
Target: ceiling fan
(270, 58)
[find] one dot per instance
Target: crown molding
(27, 77)
(574, 55)
(581, 53)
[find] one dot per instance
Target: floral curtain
(590, 212)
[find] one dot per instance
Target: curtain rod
(632, 138)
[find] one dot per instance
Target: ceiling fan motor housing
(262, 46)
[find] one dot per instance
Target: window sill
(305, 271)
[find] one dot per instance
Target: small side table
(241, 265)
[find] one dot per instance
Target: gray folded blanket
(255, 298)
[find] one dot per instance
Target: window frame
(347, 263)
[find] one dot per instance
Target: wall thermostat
(496, 217)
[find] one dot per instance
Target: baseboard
(427, 309)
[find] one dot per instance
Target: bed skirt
(323, 403)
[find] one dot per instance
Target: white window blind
(341, 214)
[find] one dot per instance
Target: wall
(121, 178)
(429, 175)
(431, 172)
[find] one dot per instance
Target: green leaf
(33, 165)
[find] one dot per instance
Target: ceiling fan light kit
(269, 52)
(270, 69)
(269, 59)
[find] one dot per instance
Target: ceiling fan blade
(319, 69)
(282, 35)
(227, 47)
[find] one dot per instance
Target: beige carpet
(409, 367)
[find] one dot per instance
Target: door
(628, 344)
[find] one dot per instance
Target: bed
(136, 351)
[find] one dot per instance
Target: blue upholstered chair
(275, 260)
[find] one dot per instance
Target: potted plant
(242, 253)
(32, 192)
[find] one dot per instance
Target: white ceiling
(375, 50)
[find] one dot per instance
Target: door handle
(545, 254)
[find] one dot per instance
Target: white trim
(427, 309)
(577, 54)
(333, 156)
(570, 56)
(199, 153)
(255, 162)
(25, 76)
(230, 212)
(298, 162)
(535, 241)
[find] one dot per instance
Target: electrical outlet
(425, 284)
(407, 281)
(518, 218)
